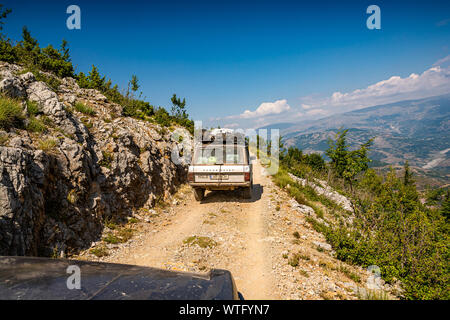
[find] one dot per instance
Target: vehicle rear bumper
(220, 185)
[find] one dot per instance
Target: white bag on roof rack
(223, 135)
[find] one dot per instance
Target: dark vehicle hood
(29, 278)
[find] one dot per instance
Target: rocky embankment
(59, 186)
(322, 188)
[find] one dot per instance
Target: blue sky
(226, 57)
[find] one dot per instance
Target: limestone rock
(54, 202)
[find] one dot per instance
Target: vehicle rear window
(234, 155)
(219, 155)
(210, 155)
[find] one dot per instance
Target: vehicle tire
(247, 193)
(199, 194)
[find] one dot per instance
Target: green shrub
(202, 242)
(133, 220)
(36, 125)
(391, 228)
(107, 159)
(27, 52)
(7, 52)
(57, 61)
(351, 275)
(137, 109)
(88, 124)
(51, 81)
(3, 139)
(397, 233)
(100, 251)
(125, 234)
(119, 235)
(32, 108)
(81, 107)
(11, 113)
(293, 261)
(111, 238)
(162, 117)
(304, 273)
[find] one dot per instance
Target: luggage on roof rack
(223, 136)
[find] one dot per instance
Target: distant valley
(413, 130)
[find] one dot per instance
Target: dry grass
(99, 252)
(81, 107)
(202, 242)
(3, 139)
(368, 294)
(11, 113)
(47, 145)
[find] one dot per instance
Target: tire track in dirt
(245, 255)
(252, 238)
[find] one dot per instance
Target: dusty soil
(253, 238)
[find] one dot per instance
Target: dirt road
(253, 238)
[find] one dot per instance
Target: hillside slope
(413, 130)
(73, 163)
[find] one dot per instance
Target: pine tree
(95, 79)
(3, 14)
(134, 83)
(348, 164)
(28, 42)
(7, 52)
(83, 81)
(28, 49)
(408, 175)
(65, 54)
(410, 196)
(338, 153)
(178, 107)
(445, 209)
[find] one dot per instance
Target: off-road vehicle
(221, 161)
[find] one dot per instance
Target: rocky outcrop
(325, 190)
(58, 187)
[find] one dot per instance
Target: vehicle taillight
(190, 177)
(247, 176)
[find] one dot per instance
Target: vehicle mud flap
(199, 194)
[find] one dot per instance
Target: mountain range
(413, 130)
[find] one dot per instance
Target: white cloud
(442, 61)
(434, 81)
(267, 108)
(315, 112)
(231, 125)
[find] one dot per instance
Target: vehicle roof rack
(223, 136)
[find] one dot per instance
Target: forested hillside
(389, 224)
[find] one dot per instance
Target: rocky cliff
(59, 185)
